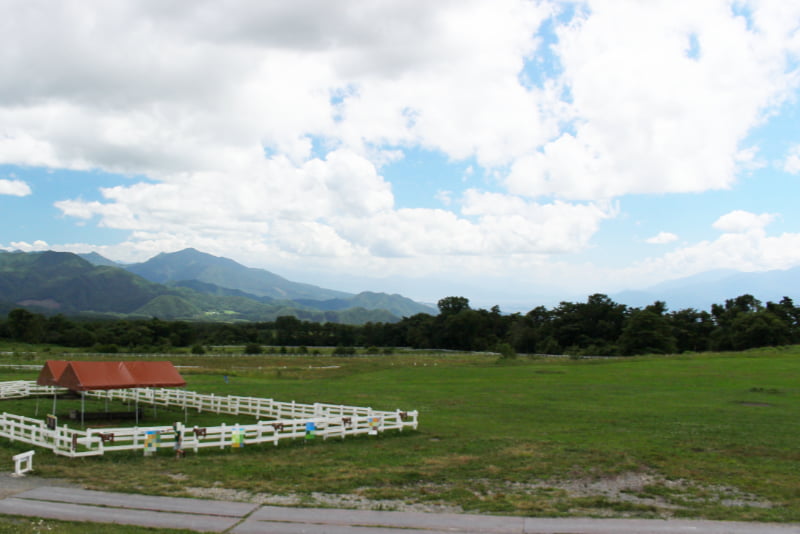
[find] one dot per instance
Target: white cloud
(262, 127)
(648, 116)
(744, 245)
(16, 188)
(24, 246)
(740, 251)
(792, 162)
(662, 238)
(739, 222)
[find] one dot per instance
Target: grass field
(713, 435)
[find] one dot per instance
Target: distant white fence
(288, 420)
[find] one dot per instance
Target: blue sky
(517, 152)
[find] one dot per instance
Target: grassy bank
(712, 436)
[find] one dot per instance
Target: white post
(23, 463)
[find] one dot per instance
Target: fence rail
(287, 420)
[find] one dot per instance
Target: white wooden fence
(287, 420)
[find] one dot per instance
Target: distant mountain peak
(192, 264)
(97, 259)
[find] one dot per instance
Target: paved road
(74, 504)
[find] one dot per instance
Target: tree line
(597, 327)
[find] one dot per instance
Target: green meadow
(700, 436)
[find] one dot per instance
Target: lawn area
(711, 435)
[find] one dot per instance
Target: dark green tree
(786, 311)
(647, 332)
(453, 305)
(592, 327)
(692, 329)
(758, 329)
(722, 338)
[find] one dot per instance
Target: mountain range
(193, 285)
(187, 285)
(715, 287)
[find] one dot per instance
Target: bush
(506, 351)
(198, 349)
(253, 348)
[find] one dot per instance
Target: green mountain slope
(168, 307)
(396, 304)
(64, 282)
(214, 275)
(61, 282)
(191, 264)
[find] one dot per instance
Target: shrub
(253, 348)
(344, 351)
(506, 351)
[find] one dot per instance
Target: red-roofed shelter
(87, 376)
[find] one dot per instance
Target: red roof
(85, 376)
(51, 372)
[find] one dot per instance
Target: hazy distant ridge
(715, 287)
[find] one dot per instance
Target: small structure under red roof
(87, 376)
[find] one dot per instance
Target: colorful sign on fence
(311, 430)
(237, 438)
(374, 424)
(152, 438)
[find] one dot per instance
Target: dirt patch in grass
(631, 494)
(318, 499)
(644, 489)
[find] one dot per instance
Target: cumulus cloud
(742, 251)
(16, 188)
(744, 244)
(662, 238)
(24, 246)
(661, 98)
(262, 128)
(739, 222)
